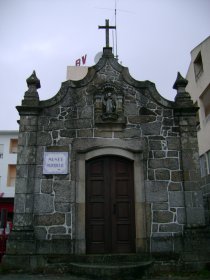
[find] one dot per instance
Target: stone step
(110, 271)
(124, 266)
(98, 258)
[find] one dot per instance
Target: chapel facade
(106, 166)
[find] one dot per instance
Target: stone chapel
(107, 166)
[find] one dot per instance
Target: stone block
(155, 145)
(64, 192)
(151, 105)
(20, 203)
(55, 134)
(188, 199)
(44, 138)
(156, 191)
(195, 216)
(172, 227)
(78, 124)
(172, 154)
(160, 206)
(141, 119)
(162, 174)
(197, 199)
(181, 215)
(49, 220)
(175, 186)
(21, 171)
(21, 185)
(60, 246)
(62, 207)
(195, 174)
(188, 158)
(173, 143)
(169, 163)
(167, 113)
(57, 230)
(29, 202)
(159, 154)
(151, 174)
(40, 154)
(151, 128)
(168, 121)
(154, 227)
(69, 219)
(46, 186)
(86, 112)
(70, 133)
(102, 134)
(130, 109)
(84, 133)
(128, 133)
(27, 155)
(40, 232)
(37, 185)
(176, 176)
(43, 203)
(19, 262)
(162, 217)
(22, 220)
(176, 199)
(161, 245)
(65, 141)
(54, 125)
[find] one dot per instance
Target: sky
(154, 40)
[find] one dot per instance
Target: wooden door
(110, 226)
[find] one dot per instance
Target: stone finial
(180, 82)
(31, 97)
(33, 81)
(182, 98)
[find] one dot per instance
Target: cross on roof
(107, 27)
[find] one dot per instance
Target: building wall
(197, 87)
(8, 158)
(76, 73)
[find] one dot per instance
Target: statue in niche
(109, 107)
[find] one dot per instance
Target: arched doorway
(110, 206)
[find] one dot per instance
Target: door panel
(110, 219)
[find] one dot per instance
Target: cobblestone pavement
(20, 276)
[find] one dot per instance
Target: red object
(3, 242)
(78, 61)
(7, 205)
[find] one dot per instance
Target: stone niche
(109, 107)
(107, 113)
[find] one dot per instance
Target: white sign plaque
(55, 163)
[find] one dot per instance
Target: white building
(198, 76)
(8, 158)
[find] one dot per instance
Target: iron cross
(107, 27)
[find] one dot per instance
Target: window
(11, 175)
(203, 165)
(205, 98)
(198, 66)
(197, 117)
(1, 150)
(13, 146)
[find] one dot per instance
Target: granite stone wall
(45, 205)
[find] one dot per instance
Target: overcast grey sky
(155, 38)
